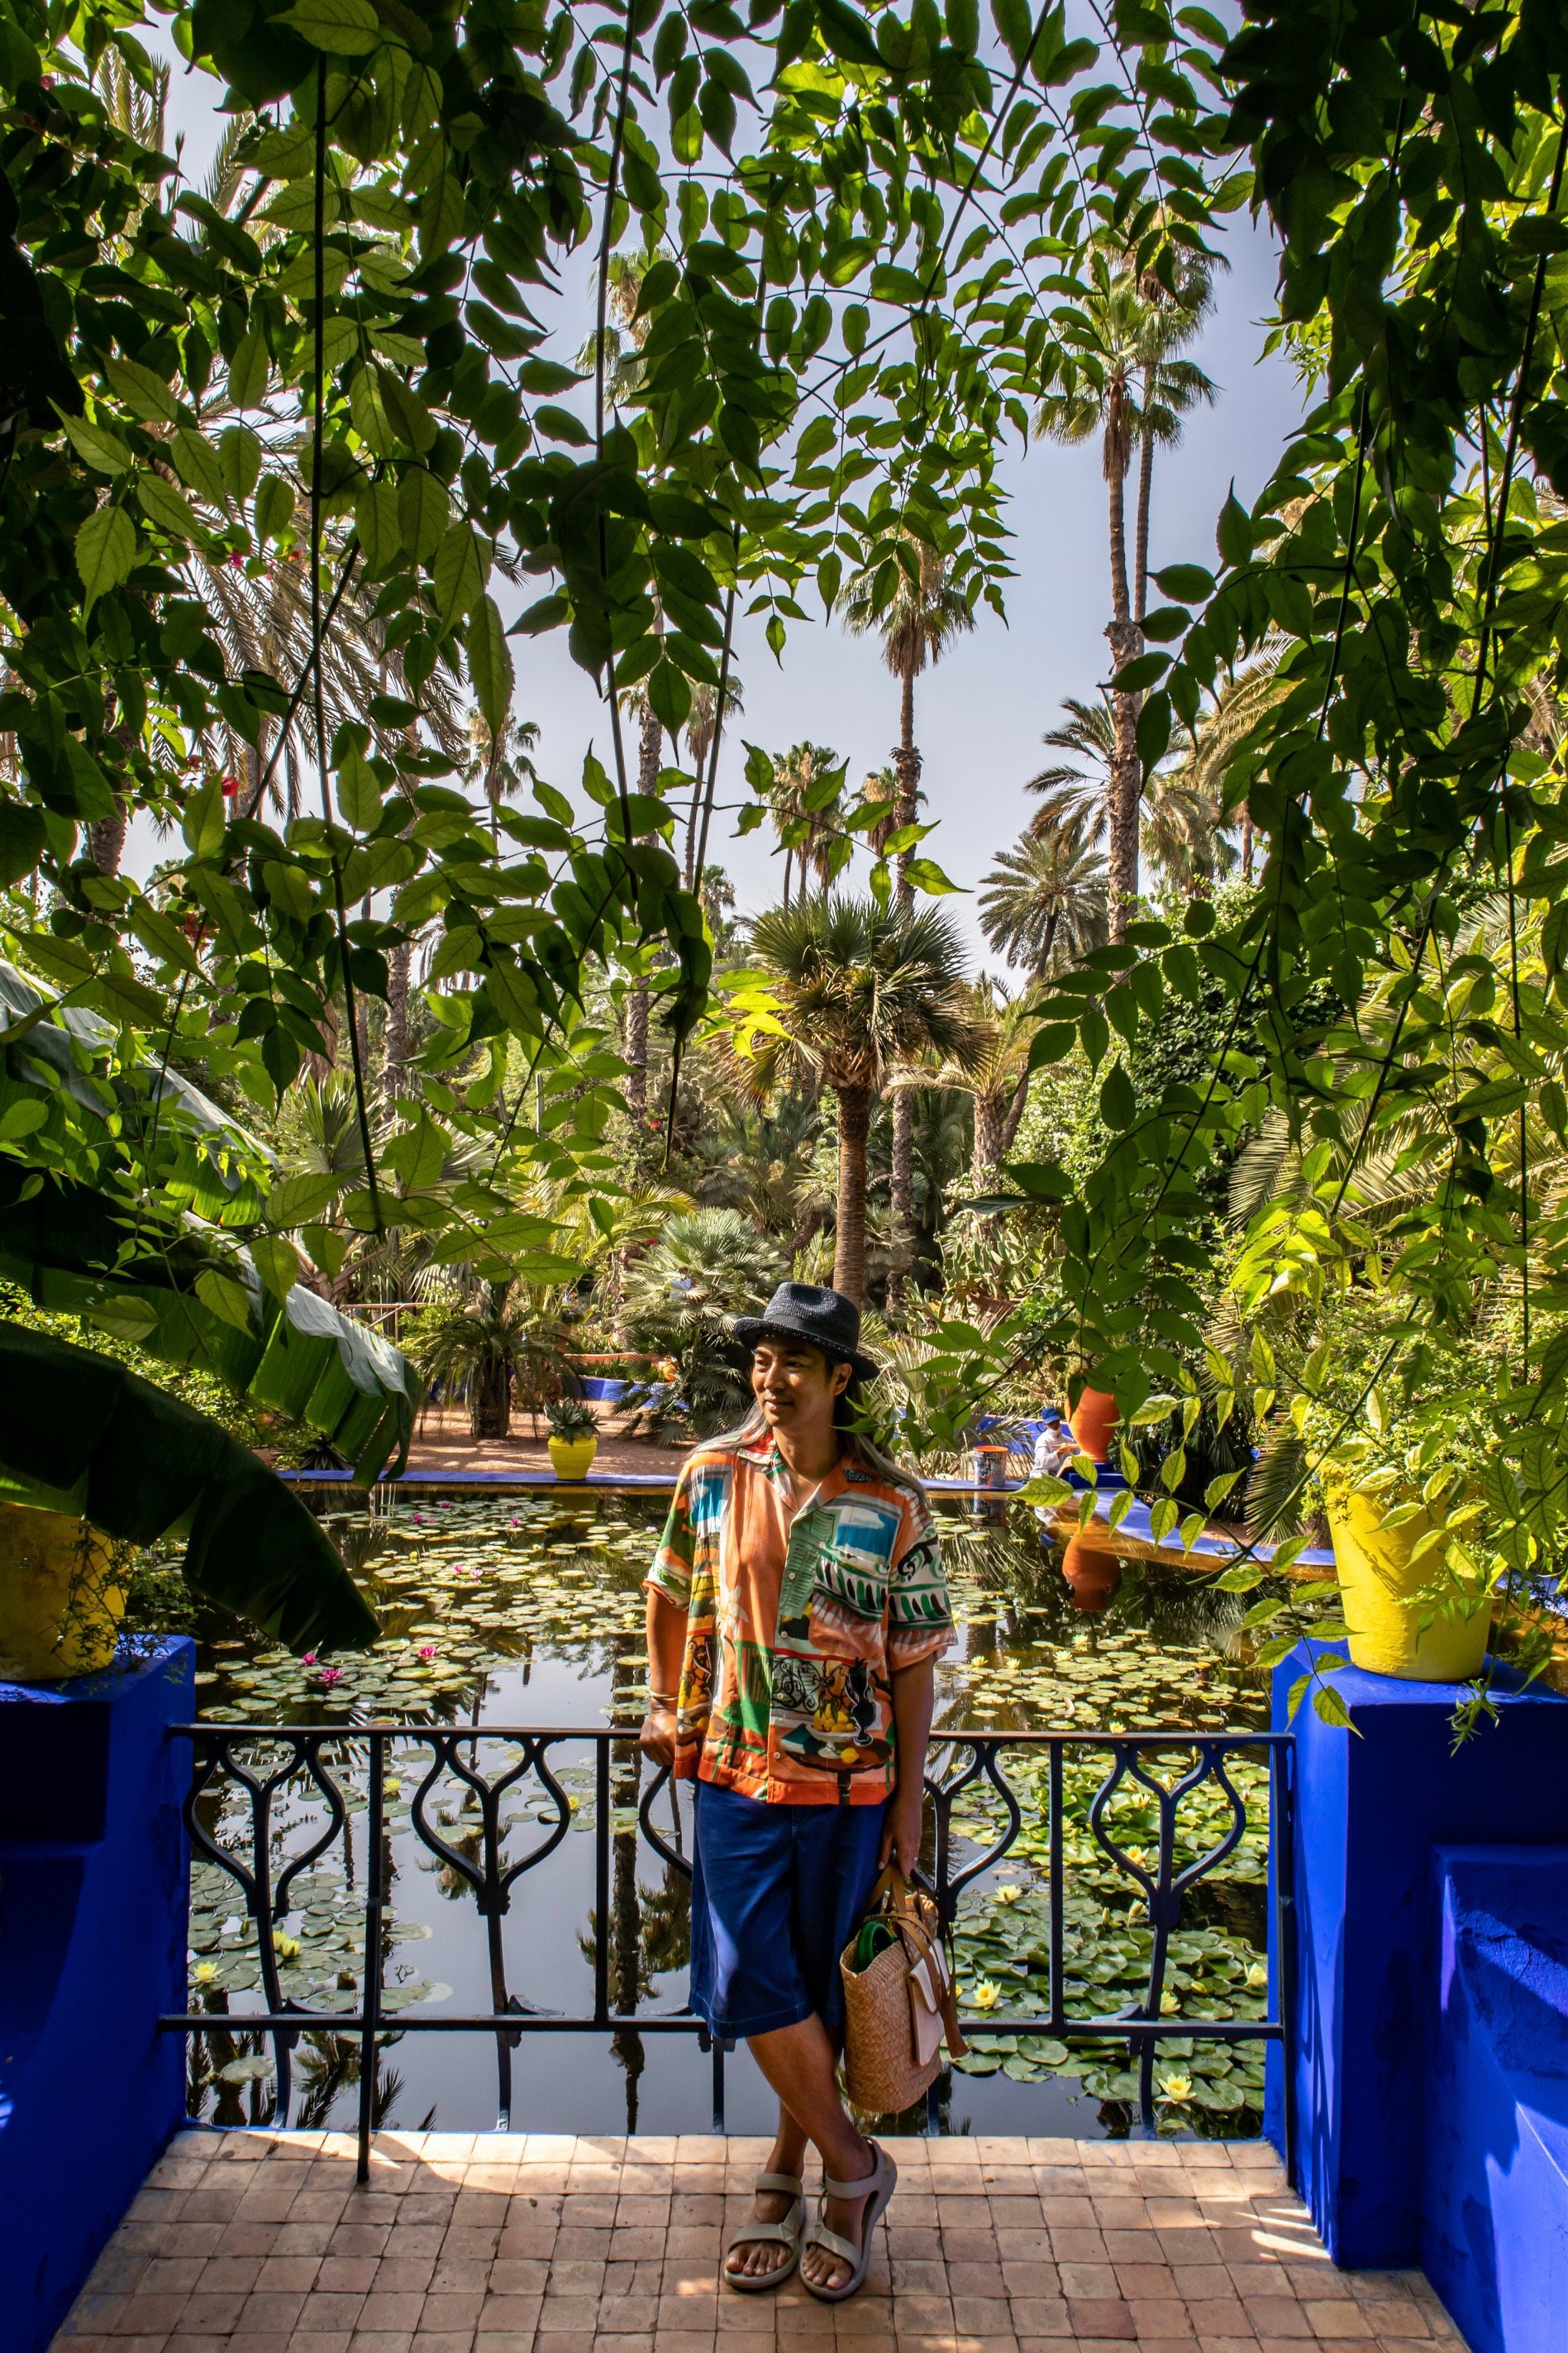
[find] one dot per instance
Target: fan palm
(998, 1079)
(1044, 901)
(1123, 383)
(853, 991)
(1216, 768)
(472, 1351)
(707, 1266)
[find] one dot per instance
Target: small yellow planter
(62, 1596)
(1378, 1581)
(573, 1457)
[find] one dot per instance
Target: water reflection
(1092, 1575)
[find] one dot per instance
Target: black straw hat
(800, 1311)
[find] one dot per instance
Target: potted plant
(574, 1436)
(95, 1461)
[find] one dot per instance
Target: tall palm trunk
(648, 752)
(906, 766)
(1126, 644)
(1246, 847)
(394, 1037)
(990, 1115)
(1145, 491)
(850, 1248)
(106, 838)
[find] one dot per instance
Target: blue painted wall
(93, 1894)
(1495, 2229)
(1372, 1807)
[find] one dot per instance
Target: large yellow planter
(574, 1457)
(62, 1596)
(1378, 1582)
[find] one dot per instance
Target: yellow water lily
(1009, 1891)
(1258, 1976)
(1176, 2086)
(286, 1948)
(204, 1973)
(986, 1995)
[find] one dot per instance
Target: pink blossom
(306, 1658)
(331, 1675)
(426, 1651)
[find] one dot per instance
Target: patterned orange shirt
(795, 1630)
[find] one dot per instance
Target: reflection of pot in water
(1092, 1576)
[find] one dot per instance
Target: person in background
(1054, 1449)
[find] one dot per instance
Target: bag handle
(892, 1882)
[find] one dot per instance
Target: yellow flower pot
(62, 1596)
(574, 1457)
(1390, 1634)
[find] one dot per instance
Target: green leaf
(1232, 532)
(248, 372)
(299, 1199)
(423, 511)
(224, 1298)
(274, 508)
(105, 551)
(166, 508)
(1185, 584)
(925, 875)
(489, 666)
(103, 450)
(145, 394)
(344, 28)
(359, 794)
(378, 523)
(204, 820)
(1135, 675)
(460, 574)
(24, 835)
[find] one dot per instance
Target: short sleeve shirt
(795, 1630)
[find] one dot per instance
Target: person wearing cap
(796, 1609)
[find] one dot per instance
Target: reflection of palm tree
(1044, 901)
(625, 1923)
(917, 623)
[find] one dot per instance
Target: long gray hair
(847, 1406)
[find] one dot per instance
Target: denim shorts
(776, 1894)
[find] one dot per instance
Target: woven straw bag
(899, 2009)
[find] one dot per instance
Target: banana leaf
(80, 1433)
(174, 1288)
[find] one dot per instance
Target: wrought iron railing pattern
(262, 1764)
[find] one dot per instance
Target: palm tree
(805, 813)
(1213, 767)
(707, 1266)
(1182, 815)
(916, 621)
(998, 1079)
(473, 1351)
(1044, 901)
(1123, 382)
(879, 790)
(502, 764)
(705, 720)
(855, 991)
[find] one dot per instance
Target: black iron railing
(265, 1765)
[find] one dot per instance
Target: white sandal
(785, 2233)
(876, 2189)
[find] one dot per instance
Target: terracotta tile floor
(535, 2243)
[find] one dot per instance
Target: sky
(980, 715)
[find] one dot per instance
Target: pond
(526, 1610)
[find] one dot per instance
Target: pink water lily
(306, 1658)
(426, 1651)
(331, 1675)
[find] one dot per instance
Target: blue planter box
(93, 1897)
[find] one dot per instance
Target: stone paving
(256, 2243)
